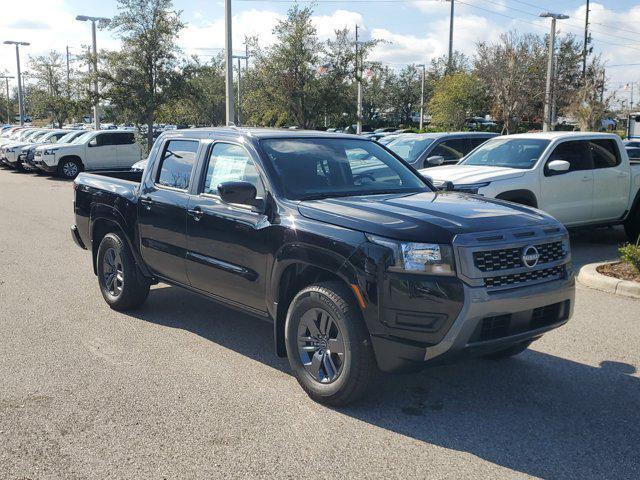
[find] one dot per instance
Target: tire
(512, 351)
(632, 226)
(338, 378)
(69, 168)
(121, 283)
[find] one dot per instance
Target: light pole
(422, 95)
(20, 98)
(246, 59)
(548, 121)
(96, 101)
(450, 62)
(6, 79)
(228, 45)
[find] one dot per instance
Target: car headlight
(471, 187)
(429, 258)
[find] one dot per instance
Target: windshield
(68, 137)
(38, 135)
(82, 138)
(409, 148)
(522, 153)
(326, 167)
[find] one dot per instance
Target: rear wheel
(328, 344)
(512, 351)
(122, 284)
(632, 226)
(69, 168)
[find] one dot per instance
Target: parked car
(634, 153)
(423, 150)
(579, 178)
(58, 137)
(95, 150)
(632, 143)
(481, 123)
(356, 260)
(140, 166)
(9, 152)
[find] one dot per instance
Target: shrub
(631, 254)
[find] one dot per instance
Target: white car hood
(466, 174)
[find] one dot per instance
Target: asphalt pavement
(186, 388)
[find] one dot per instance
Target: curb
(590, 277)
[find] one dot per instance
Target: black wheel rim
(112, 272)
(321, 345)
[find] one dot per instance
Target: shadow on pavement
(591, 245)
(538, 414)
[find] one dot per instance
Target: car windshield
(68, 137)
(82, 138)
(522, 153)
(409, 148)
(311, 168)
(38, 135)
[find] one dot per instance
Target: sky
(413, 31)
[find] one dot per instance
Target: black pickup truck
(359, 263)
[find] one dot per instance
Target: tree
(139, 78)
(50, 96)
(405, 93)
(513, 71)
(455, 97)
(586, 107)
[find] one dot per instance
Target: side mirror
(243, 193)
(435, 160)
(558, 166)
(93, 142)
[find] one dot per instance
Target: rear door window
(605, 153)
(123, 138)
(176, 164)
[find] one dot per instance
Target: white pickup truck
(95, 150)
(579, 178)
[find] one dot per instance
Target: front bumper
(487, 322)
(76, 237)
(45, 163)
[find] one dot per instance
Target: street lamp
(20, 98)
(548, 120)
(96, 106)
(6, 79)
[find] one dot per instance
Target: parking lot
(185, 388)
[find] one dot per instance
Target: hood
(422, 217)
(466, 174)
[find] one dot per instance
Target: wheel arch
(104, 220)
(292, 275)
(522, 196)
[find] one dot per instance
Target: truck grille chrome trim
(517, 279)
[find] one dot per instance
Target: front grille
(509, 258)
(516, 279)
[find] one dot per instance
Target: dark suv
(357, 261)
(423, 150)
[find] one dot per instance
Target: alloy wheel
(70, 169)
(113, 272)
(321, 345)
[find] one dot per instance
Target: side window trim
(158, 168)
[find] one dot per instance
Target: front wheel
(328, 344)
(69, 168)
(121, 283)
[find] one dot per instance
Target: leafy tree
(139, 78)
(586, 106)
(455, 97)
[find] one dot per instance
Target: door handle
(196, 213)
(147, 202)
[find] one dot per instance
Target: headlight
(429, 258)
(471, 187)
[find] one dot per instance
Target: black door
(162, 211)
(227, 243)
